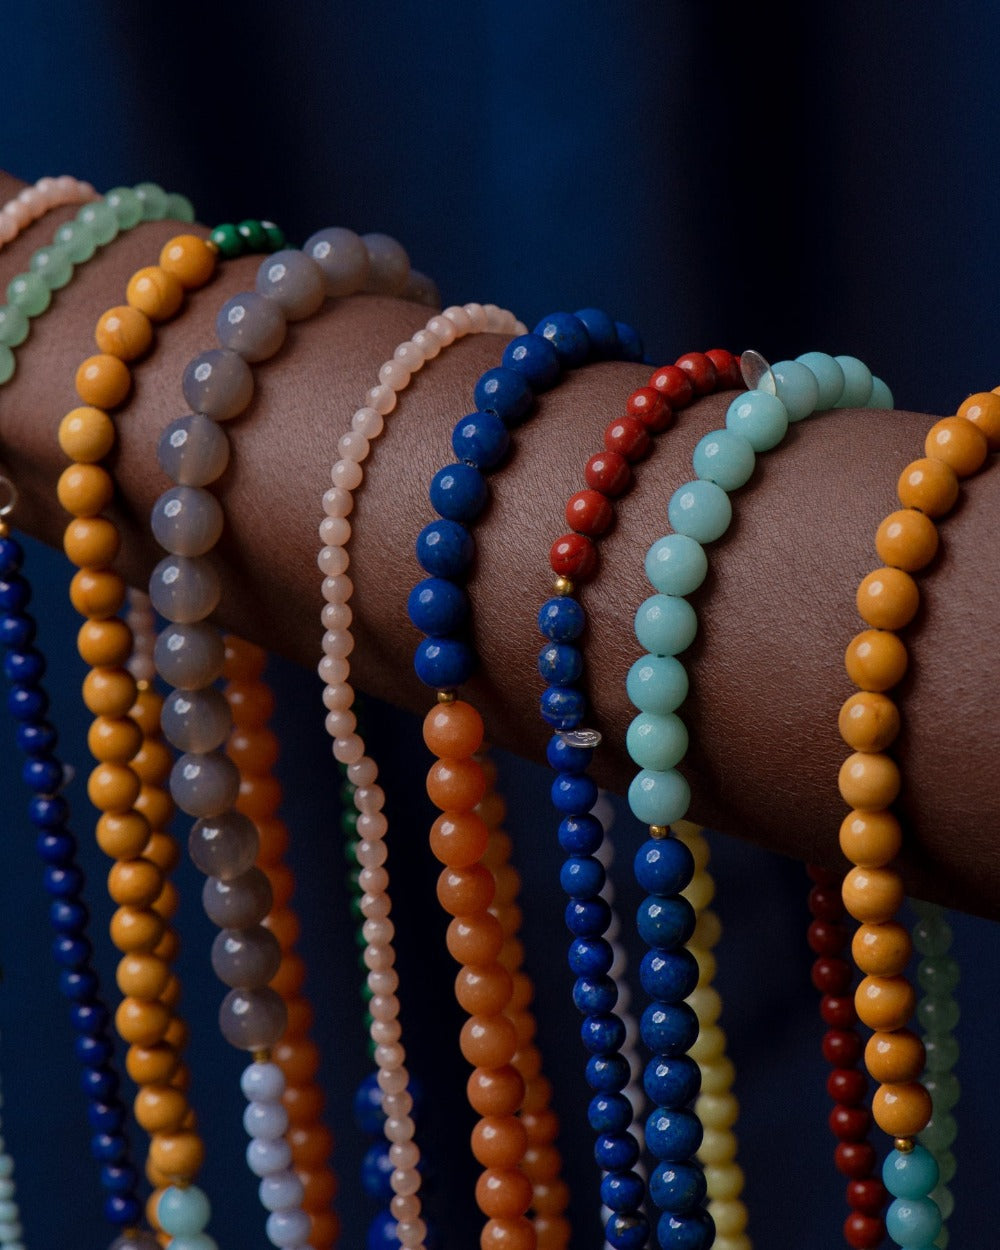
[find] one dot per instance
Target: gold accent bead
(563, 586)
(904, 1145)
(659, 831)
(446, 696)
(262, 1055)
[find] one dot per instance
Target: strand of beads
(871, 836)
(648, 411)
(33, 202)
(349, 749)
(24, 668)
(439, 608)
(11, 1228)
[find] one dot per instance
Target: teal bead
(194, 1241)
(14, 325)
(183, 1212)
(881, 396)
(938, 975)
(938, 1013)
(725, 458)
(701, 510)
(942, 1053)
(659, 798)
(7, 364)
(913, 1223)
(657, 683)
(940, 1133)
(910, 1175)
(932, 935)
(179, 207)
(857, 383)
(665, 624)
(760, 418)
(101, 219)
(77, 240)
(53, 265)
(795, 385)
(153, 199)
(126, 206)
(657, 741)
(944, 1089)
(676, 564)
(30, 293)
(829, 377)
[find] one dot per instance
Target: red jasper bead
(823, 876)
(855, 1159)
(837, 1011)
(589, 512)
(867, 1196)
(849, 1123)
(863, 1232)
(825, 902)
(842, 1048)
(573, 556)
(700, 370)
(608, 472)
(651, 408)
(727, 367)
(674, 384)
(826, 937)
(831, 975)
(628, 436)
(847, 1086)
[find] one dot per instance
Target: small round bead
(928, 485)
(876, 660)
(189, 259)
(251, 325)
(907, 539)
(902, 1110)
(958, 443)
(869, 721)
(155, 292)
(701, 371)
(124, 332)
(983, 410)
(701, 510)
(293, 281)
(252, 1019)
(388, 264)
(885, 1002)
(760, 418)
(219, 384)
(888, 599)
(725, 458)
(103, 381)
(870, 838)
(857, 382)
(869, 780)
(872, 895)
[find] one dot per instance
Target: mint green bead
(944, 1199)
(77, 240)
(54, 265)
(938, 1013)
(947, 1164)
(910, 1175)
(913, 1223)
(857, 382)
(30, 293)
(659, 798)
(665, 624)
(101, 219)
(657, 683)
(944, 1089)
(179, 207)
(153, 199)
(829, 377)
(760, 418)
(126, 205)
(942, 1053)
(940, 1133)
(655, 741)
(795, 385)
(7, 364)
(183, 1212)
(194, 1241)
(941, 1240)
(881, 396)
(932, 935)
(14, 325)
(725, 458)
(701, 510)
(676, 564)
(938, 975)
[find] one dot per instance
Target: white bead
(337, 616)
(353, 446)
(478, 319)
(427, 342)
(338, 502)
(384, 1031)
(333, 670)
(363, 773)
(392, 1080)
(404, 1206)
(372, 826)
(281, 1191)
(459, 318)
(347, 473)
(369, 798)
(395, 374)
(264, 1158)
(389, 1057)
(403, 1154)
(339, 643)
(348, 750)
(386, 1007)
(375, 905)
(409, 356)
(335, 531)
(371, 855)
(262, 1082)
(265, 1120)
(289, 1230)
(399, 1128)
(369, 422)
(382, 398)
(338, 588)
(383, 981)
(443, 329)
(340, 724)
(378, 957)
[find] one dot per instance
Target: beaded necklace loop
(35, 201)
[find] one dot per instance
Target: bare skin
(776, 612)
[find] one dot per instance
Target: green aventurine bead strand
(938, 974)
(247, 236)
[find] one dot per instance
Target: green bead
(939, 1014)
(14, 325)
(53, 265)
(179, 207)
(944, 1089)
(254, 235)
(101, 219)
(932, 936)
(30, 293)
(275, 236)
(940, 1133)
(942, 1195)
(361, 962)
(367, 993)
(355, 908)
(153, 199)
(947, 1165)
(941, 1241)
(228, 240)
(349, 822)
(359, 940)
(78, 241)
(942, 1053)
(126, 205)
(939, 975)
(7, 364)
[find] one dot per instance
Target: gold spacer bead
(563, 586)
(4, 529)
(142, 684)
(659, 831)
(904, 1145)
(263, 1055)
(446, 696)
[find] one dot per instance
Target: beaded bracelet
(870, 835)
(33, 202)
(349, 748)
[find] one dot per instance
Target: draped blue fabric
(788, 178)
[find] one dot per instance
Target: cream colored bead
(718, 1076)
(724, 1180)
(706, 1004)
(709, 1045)
(719, 1145)
(707, 930)
(707, 964)
(717, 1110)
(730, 1216)
(700, 892)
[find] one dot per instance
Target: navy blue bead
(89, 1018)
(565, 758)
(622, 1191)
(616, 1152)
(93, 1051)
(608, 1073)
(609, 1113)
(438, 607)
(587, 918)
(376, 1171)
(38, 738)
(108, 1147)
(64, 881)
(367, 1106)
(581, 835)
(15, 594)
(16, 631)
(26, 666)
(568, 335)
(56, 846)
(44, 775)
(445, 549)
(673, 1133)
(48, 811)
(506, 393)
(603, 1034)
(560, 663)
(561, 619)
(694, 1231)
(627, 1231)
(595, 995)
(444, 663)
(11, 556)
(101, 1085)
(122, 1210)
(669, 1028)
(669, 976)
(458, 492)
(119, 1178)
(480, 439)
(27, 702)
(80, 985)
(582, 876)
(678, 1187)
(68, 915)
(382, 1233)
(672, 1082)
(71, 952)
(535, 359)
(663, 865)
(629, 342)
(590, 956)
(573, 792)
(601, 330)
(563, 707)
(665, 922)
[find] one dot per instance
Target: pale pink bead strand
(33, 202)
